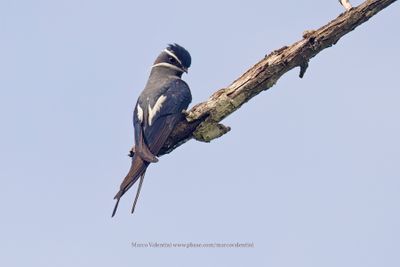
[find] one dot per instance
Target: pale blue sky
(309, 173)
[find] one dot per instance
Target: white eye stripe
(164, 64)
(157, 106)
(172, 55)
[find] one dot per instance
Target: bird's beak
(185, 69)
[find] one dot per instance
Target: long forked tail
(137, 170)
(138, 191)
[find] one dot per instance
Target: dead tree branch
(202, 121)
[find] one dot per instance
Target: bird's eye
(172, 60)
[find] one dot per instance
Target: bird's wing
(178, 98)
(142, 149)
(151, 138)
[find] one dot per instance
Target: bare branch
(202, 121)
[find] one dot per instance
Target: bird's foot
(132, 152)
(185, 112)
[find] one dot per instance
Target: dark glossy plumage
(181, 53)
(157, 111)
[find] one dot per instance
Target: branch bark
(202, 121)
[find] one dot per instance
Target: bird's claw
(132, 152)
(185, 112)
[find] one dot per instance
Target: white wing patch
(140, 113)
(157, 106)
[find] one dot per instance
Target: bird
(160, 106)
(346, 4)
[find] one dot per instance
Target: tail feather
(138, 191)
(137, 170)
(115, 208)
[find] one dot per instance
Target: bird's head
(175, 58)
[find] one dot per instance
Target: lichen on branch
(202, 122)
